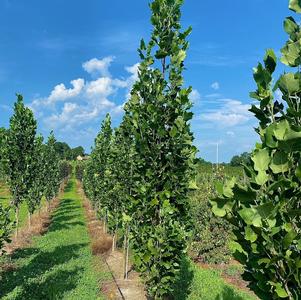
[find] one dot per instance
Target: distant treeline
(236, 161)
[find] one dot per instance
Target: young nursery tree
(266, 210)
(20, 153)
(37, 172)
(51, 169)
(159, 112)
(97, 166)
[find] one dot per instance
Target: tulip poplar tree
(159, 112)
(51, 169)
(20, 153)
(96, 179)
(266, 211)
(37, 188)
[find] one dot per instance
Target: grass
(196, 283)
(58, 265)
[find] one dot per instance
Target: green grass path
(58, 265)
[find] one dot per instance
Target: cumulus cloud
(195, 96)
(215, 85)
(68, 108)
(99, 66)
(60, 92)
(231, 113)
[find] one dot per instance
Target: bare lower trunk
(126, 253)
(17, 221)
(113, 243)
(29, 220)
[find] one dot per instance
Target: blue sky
(75, 60)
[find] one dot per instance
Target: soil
(101, 245)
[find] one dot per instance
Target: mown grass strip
(207, 284)
(58, 265)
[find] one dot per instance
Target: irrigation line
(115, 280)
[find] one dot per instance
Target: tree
(63, 150)
(266, 209)
(51, 169)
(38, 175)
(243, 159)
(159, 113)
(96, 182)
(78, 151)
(20, 153)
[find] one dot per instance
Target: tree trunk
(17, 221)
(29, 220)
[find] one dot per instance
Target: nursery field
(59, 264)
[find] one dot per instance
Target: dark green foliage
(243, 159)
(65, 170)
(79, 170)
(37, 187)
(20, 151)
(51, 169)
(6, 226)
(266, 210)
(96, 183)
(65, 152)
(159, 114)
(77, 151)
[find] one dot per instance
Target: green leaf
(270, 60)
(288, 83)
(280, 291)
(295, 5)
(220, 206)
(250, 234)
(288, 239)
(261, 178)
(193, 185)
(290, 26)
(281, 129)
(261, 159)
(250, 216)
(279, 162)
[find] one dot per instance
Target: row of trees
(139, 175)
(266, 211)
(31, 168)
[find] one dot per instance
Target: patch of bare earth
(101, 245)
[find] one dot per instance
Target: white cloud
(60, 92)
(215, 85)
(195, 96)
(215, 95)
(86, 100)
(231, 113)
(99, 66)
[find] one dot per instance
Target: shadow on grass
(69, 186)
(30, 279)
(228, 294)
(182, 285)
